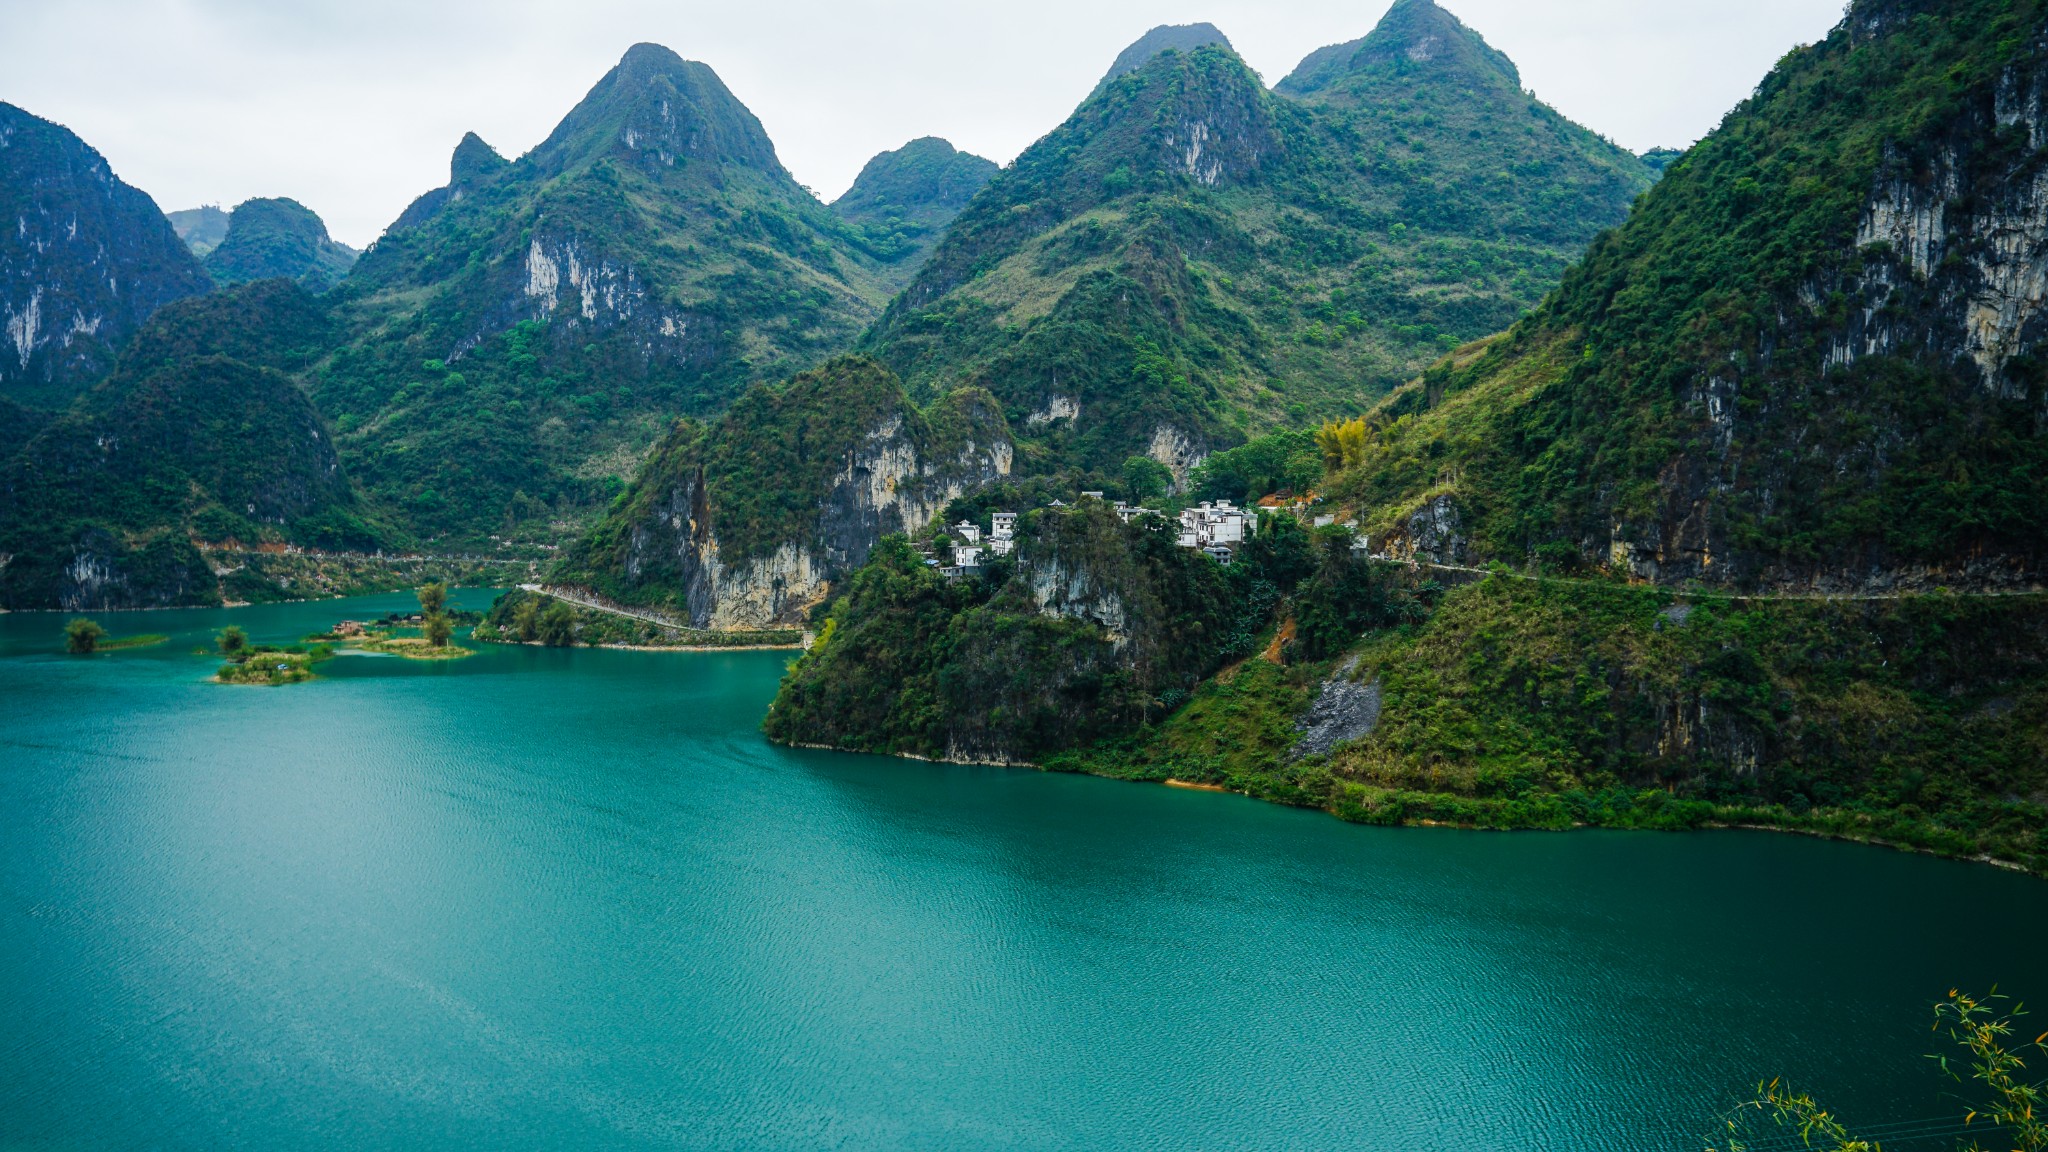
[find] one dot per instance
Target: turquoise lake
(546, 899)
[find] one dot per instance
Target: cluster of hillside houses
(1217, 529)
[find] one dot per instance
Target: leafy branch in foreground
(1985, 1032)
(2014, 1112)
(1793, 1112)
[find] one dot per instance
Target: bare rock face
(84, 261)
(887, 485)
(1432, 534)
(1963, 244)
(1344, 710)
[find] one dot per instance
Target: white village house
(1213, 526)
(1218, 529)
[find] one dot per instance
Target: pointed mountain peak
(659, 112)
(474, 162)
(1165, 38)
(1417, 39)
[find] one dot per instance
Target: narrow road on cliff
(1711, 593)
(608, 609)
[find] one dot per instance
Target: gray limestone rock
(1344, 710)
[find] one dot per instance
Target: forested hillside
(746, 522)
(199, 435)
(269, 239)
(1192, 259)
(903, 201)
(1810, 358)
(1808, 361)
(520, 337)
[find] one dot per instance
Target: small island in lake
(293, 664)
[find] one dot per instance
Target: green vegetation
(1095, 629)
(413, 647)
(2009, 1108)
(199, 435)
(1507, 703)
(273, 239)
(1709, 395)
(1282, 462)
(903, 200)
(435, 625)
(521, 617)
(437, 630)
(82, 637)
(123, 643)
(517, 348)
(519, 339)
(262, 577)
(232, 642)
(762, 478)
(1550, 704)
(267, 666)
(1126, 305)
(1318, 244)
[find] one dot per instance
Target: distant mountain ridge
(1416, 38)
(1264, 256)
(87, 260)
(202, 228)
(1192, 259)
(279, 239)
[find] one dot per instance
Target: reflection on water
(569, 899)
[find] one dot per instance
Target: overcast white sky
(353, 106)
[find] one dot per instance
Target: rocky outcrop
(1434, 534)
(84, 261)
(886, 486)
(1344, 710)
(1178, 451)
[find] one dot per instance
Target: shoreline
(647, 647)
(1425, 822)
(219, 607)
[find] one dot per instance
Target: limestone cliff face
(84, 260)
(584, 292)
(1959, 239)
(1899, 389)
(886, 485)
(1953, 276)
(748, 523)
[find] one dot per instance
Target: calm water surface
(548, 899)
